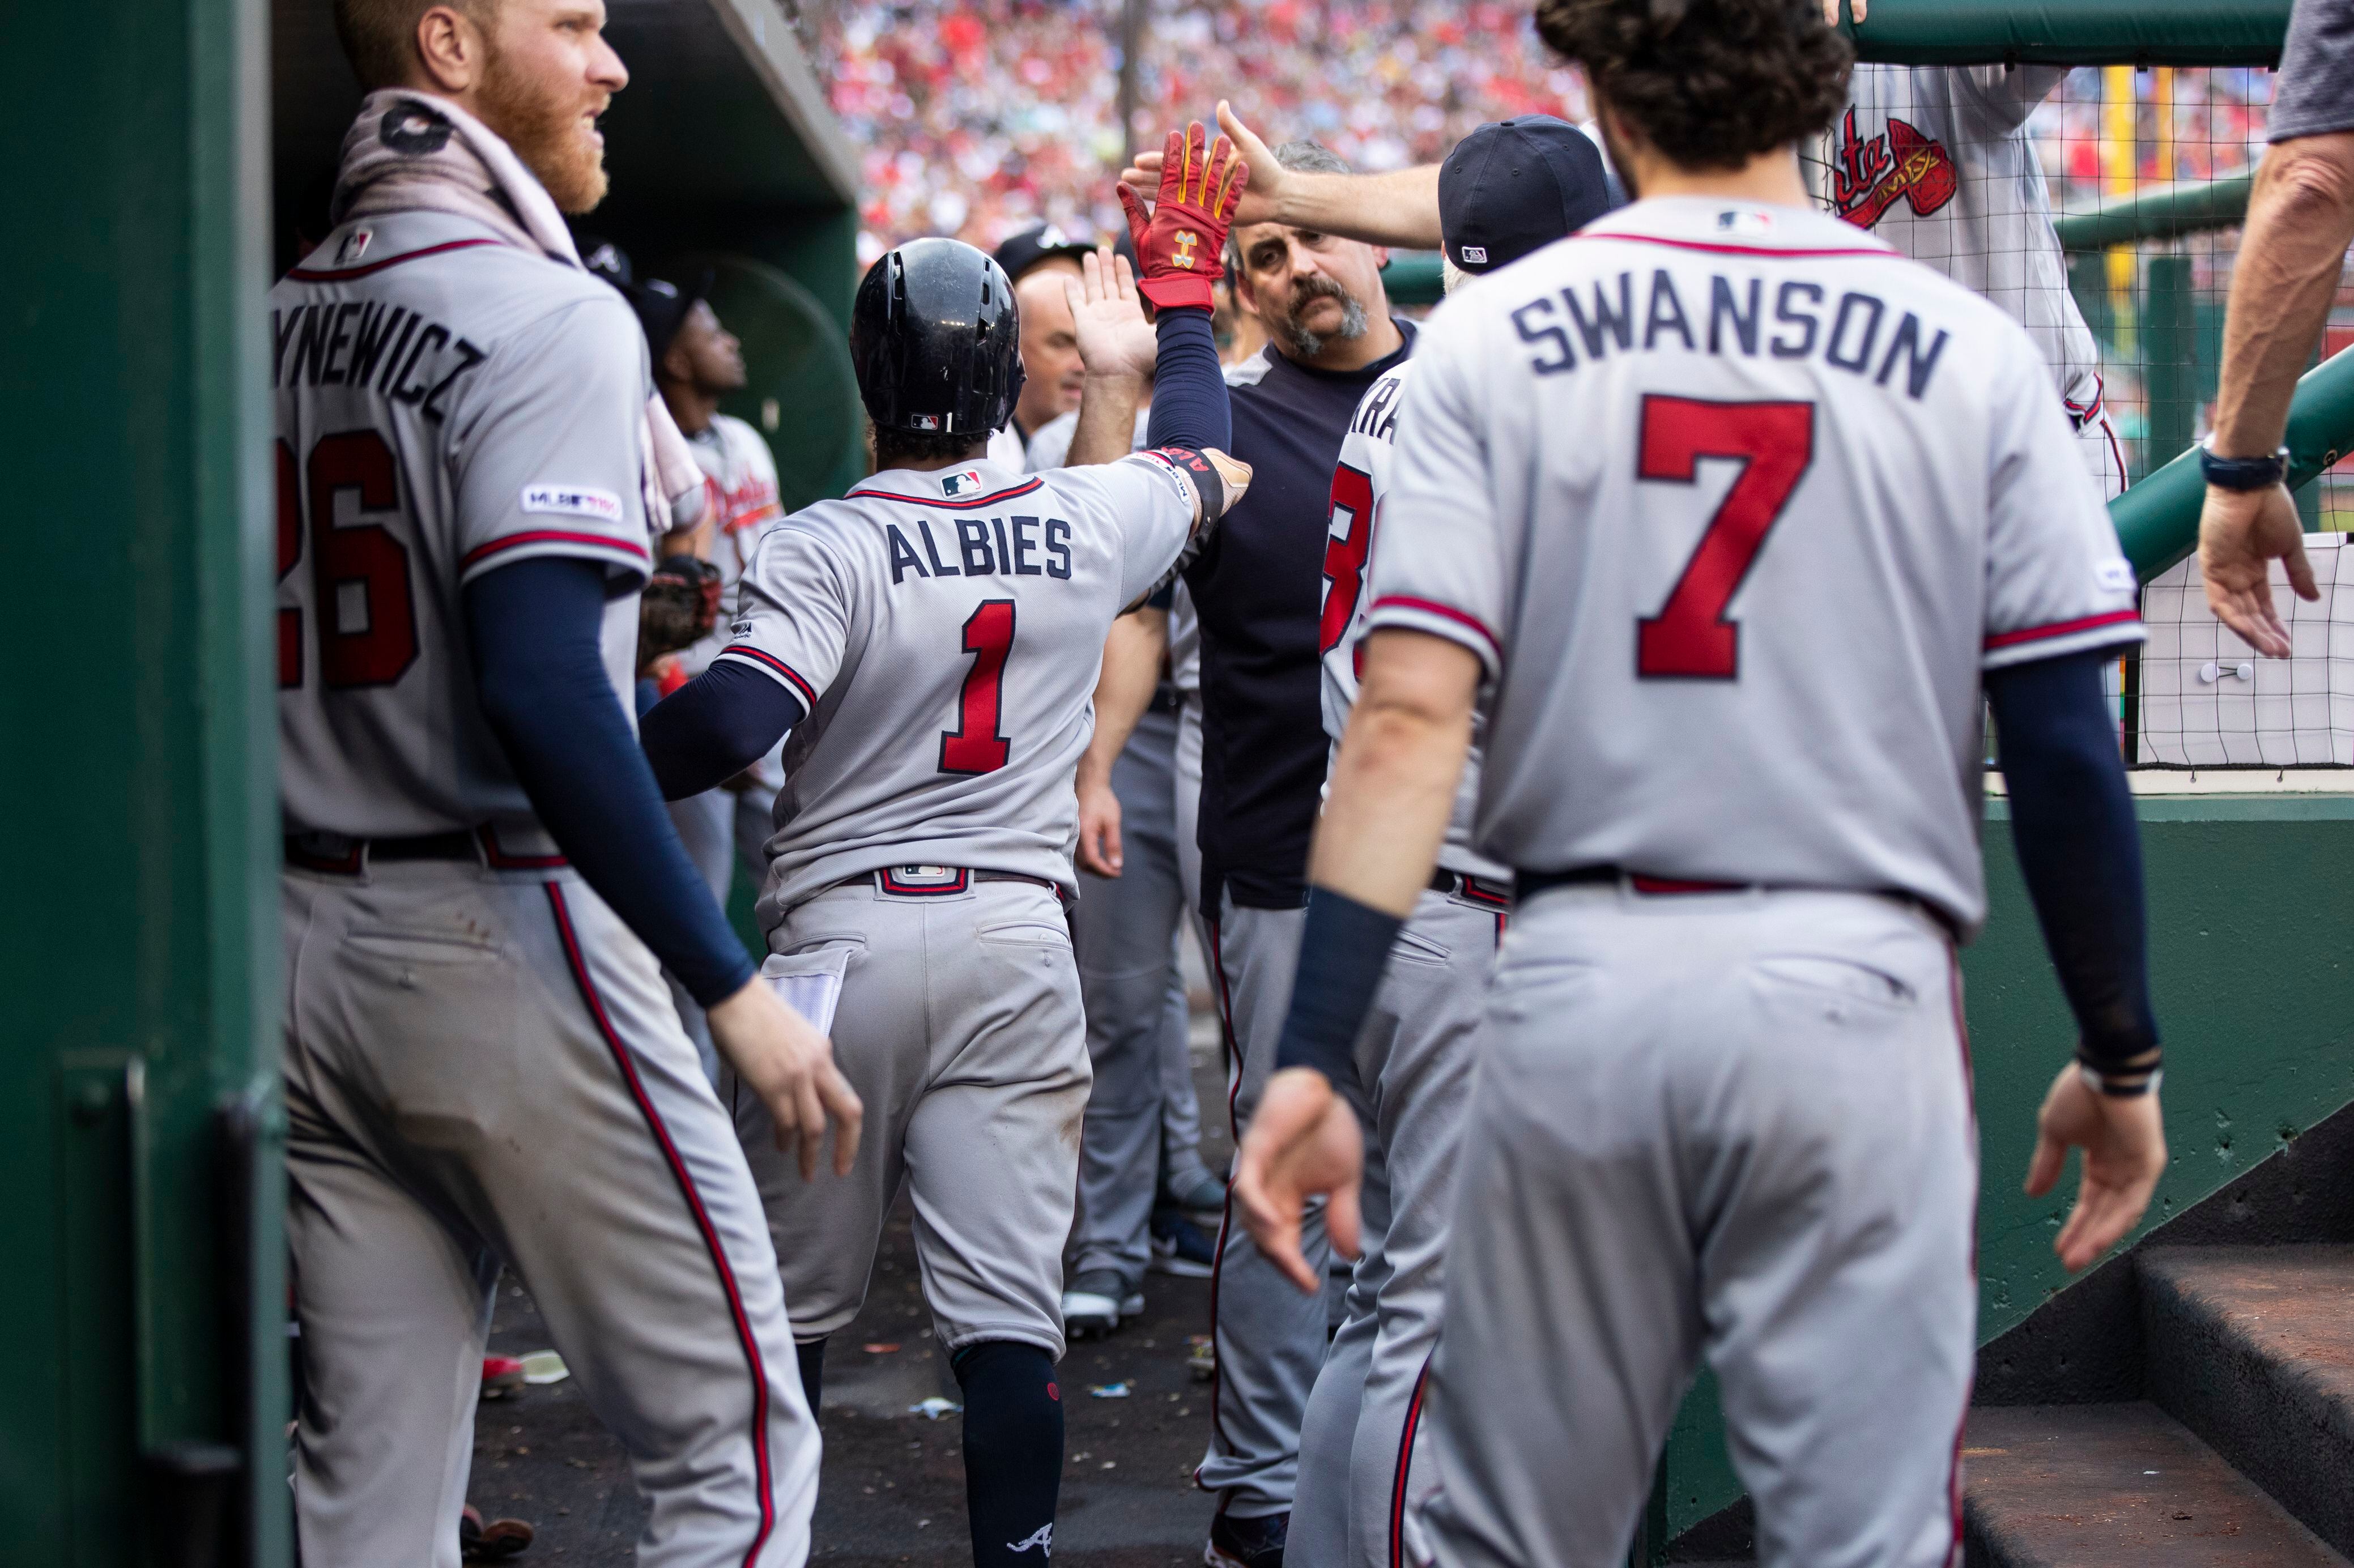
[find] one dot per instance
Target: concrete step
(2253, 1348)
(2116, 1486)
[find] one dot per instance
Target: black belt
(894, 880)
(1527, 885)
(1471, 889)
(334, 852)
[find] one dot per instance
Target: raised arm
(1398, 207)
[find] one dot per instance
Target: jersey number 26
(359, 574)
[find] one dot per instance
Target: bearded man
(482, 1065)
(1257, 589)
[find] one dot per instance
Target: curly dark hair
(1710, 83)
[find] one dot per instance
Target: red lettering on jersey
(1690, 638)
(1868, 178)
(1347, 548)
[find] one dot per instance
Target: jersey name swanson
(1857, 332)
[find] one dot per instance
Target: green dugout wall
(156, 153)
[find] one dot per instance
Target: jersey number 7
(1690, 639)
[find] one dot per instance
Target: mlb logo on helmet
(958, 483)
(1475, 255)
(923, 422)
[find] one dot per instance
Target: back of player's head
(1516, 185)
(1710, 84)
(380, 36)
(936, 341)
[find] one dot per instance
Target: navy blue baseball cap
(1516, 185)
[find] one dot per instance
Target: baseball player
(1936, 161)
(482, 1063)
(697, 361)
(1723, 1102)
(1507, 189)
(930, 642)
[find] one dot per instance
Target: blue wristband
(1342, 952)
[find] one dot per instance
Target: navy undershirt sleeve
(2079, 844)
(1189, 386)
(536, 628)
(714, 726)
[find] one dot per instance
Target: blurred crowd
(977, 118)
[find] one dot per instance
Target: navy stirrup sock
(1012, 1451)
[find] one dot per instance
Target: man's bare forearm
(1394, 780)
(1131, 670)
(1106, 428)
(1400, 208)
(2300, 220)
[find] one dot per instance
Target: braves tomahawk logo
(1044, 1540)
(1869, 176)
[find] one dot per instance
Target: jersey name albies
(945, 631)
(1735, 504)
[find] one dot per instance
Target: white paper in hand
(809, 984)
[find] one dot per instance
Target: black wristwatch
(2242, 473)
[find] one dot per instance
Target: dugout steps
(2187, 1404)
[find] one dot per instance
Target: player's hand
(1099, 847)
(1178, 242)
(1260, 201)
(783, 1059)
(1115, 340)
(1303, 1142)
(2241, 534)
(2124, 1140)
(1830, 11)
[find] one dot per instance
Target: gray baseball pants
(720, 830)
(481, 1067)
(1734, 1125)
(960, 1028)
(1359, 1474)
(1142, 1109)
(1270, 1339)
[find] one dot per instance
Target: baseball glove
(681, 604)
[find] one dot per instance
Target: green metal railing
(2161, 212)
(2080, 32)
(2158, 519)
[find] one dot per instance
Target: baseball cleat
(501, 1376)
(1095, 1303)
(1180, 1247)
(1246, 1542)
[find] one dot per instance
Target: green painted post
(2169, 348)
(2088, 282)
(139, 1126)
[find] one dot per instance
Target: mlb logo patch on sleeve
(967, 483)
(573, 500)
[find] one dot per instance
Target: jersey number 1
(1690, 639)
(363, 568)
(977, 744)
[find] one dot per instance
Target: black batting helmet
(935, 340)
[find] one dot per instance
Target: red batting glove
(1179, 243)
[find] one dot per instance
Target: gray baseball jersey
(1809, 499)
(1359, 482)
(1936, 161)
(447, 404)
(955, 622)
